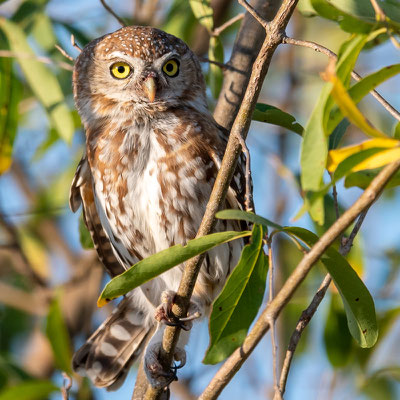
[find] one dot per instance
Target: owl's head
(136, 70)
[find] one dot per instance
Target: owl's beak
(149, 88)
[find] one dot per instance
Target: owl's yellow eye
(120, 70)
(171, 68)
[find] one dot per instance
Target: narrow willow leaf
(350, 110)
(273, 115)
(337, 339)
(396, 131)
(29, 390)
(215, 76)
(160, 262)
(238, 303)
(41, 80)
(359, 90)
(10, 95)
(246, 216)
(358, 303)
(203, 12)
(314, 147)
(363, 179)
(335, 157)
(57, 333)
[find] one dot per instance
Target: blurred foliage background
(49, 283)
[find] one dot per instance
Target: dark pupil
(169, 67)
(121, 69)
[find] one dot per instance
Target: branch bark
(275, 32)
(271, 312)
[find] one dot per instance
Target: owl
(152, 153)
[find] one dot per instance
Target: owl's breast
(152, 195)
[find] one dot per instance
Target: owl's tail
(108, 354)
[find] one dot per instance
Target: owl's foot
(165, 315)
(156, 374)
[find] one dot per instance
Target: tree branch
(354, 74)
(273, 309)
(275, 32)
(114, 14)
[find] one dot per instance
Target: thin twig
(273, 309)
(44, 60)
(67, 384)
(275, 31)
(272, 322)
(109, 9)
(227, 24)
(348, 243)
(335, 201)
(73, 42)
(221, 65)
(248, 196)
(64, 53)
(254, 13)
(380, 15)
(354, 74)
(305, 318)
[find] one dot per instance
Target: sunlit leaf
(42, 81)
(350, 110)
(203, 12)
(35, 252)
(29, 390)
(43, 32)
(238, 303)
(57, 333)
(160, 262)
(335, 157)
(10, 94)
(359, 90)
(275, 116)
(215, 77)
(358, 303)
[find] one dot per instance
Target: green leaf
(203, 12)
(10, 95)
(246, 216)
(314, 147)
(215, 77)
(359, 90)
(57, 333)
(337, 135)
(84, 235)
(41, 80)
(358, 303)
(238, 303)
(337, 340)
(362, 179)
(396, 131)
(160, 262)
(29, 390)
(275, 116)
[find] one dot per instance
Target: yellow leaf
(349, 109)
(379, 160)
(335, 157)
(5, 157)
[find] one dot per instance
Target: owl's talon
(165, 315)
(157, 376)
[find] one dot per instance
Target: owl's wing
(237, 190)
(82, 193)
